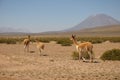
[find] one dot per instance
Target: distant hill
(113, 30)
(97, 20)
(106, 31)
(12, 30)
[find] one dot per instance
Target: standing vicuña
(26, 43)
(40, 46)
(83, 47)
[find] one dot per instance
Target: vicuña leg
(27, 48)
(40, 52)
(91, 56)
(80, 56)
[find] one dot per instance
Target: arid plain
(56, 63)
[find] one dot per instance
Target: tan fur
(40, 46)
(26, 43)
(83, 47)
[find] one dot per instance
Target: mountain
(96, 25)
(97, 20)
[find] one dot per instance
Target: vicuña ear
(28, 36)
(72, 36)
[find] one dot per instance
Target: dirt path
(56, 64)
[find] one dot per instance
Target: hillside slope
(95, 21)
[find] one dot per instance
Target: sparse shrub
(46, 40)
(113, 54)
(94, 40)
(64, 42)
(8, 41)
(75, 55)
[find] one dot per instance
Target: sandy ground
(55, 64)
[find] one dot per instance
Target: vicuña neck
(28, 37)
(75, 42)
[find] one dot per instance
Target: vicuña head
(74, 39)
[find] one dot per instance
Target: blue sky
(53, 15)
